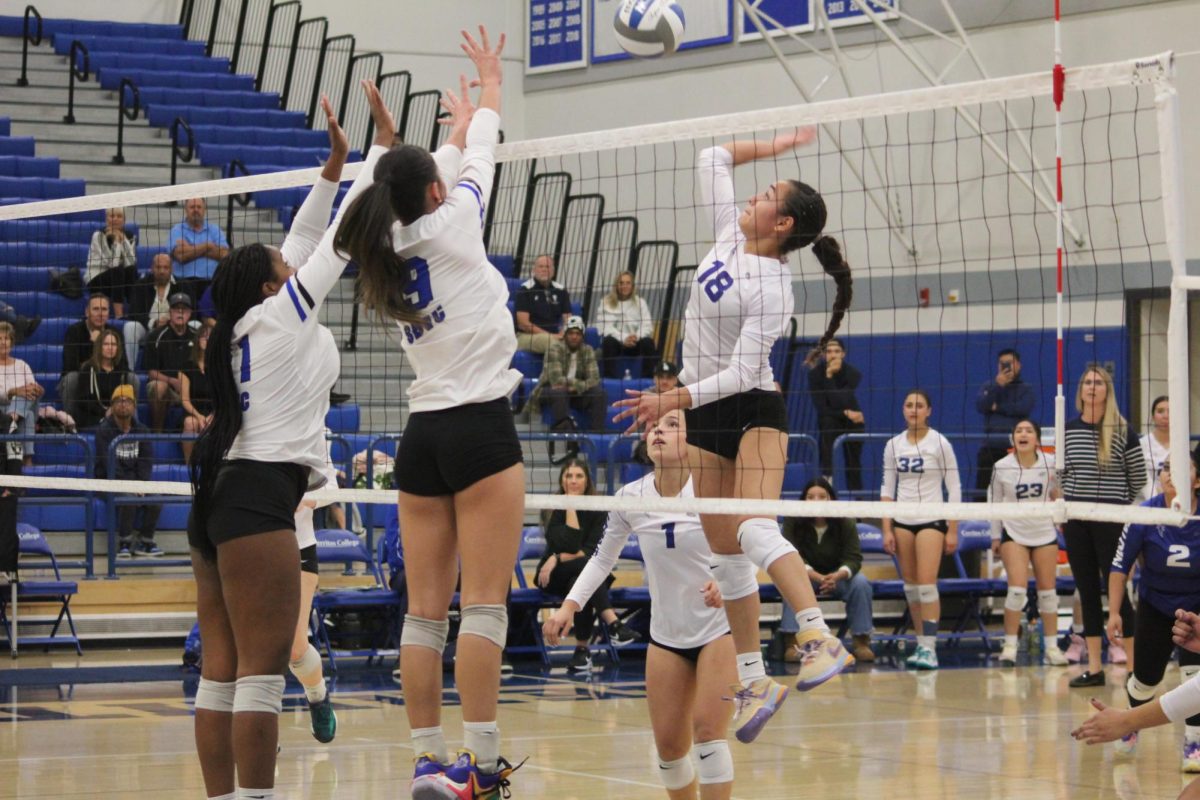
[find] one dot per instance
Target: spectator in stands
(197, 246)
(831, 385)
(570, 379)
(168, 352)
(626, 325)
(99, 377)
(19, 392)
(542, 307)
(666, 377)
(833, 555)
(23, 327)
(1102, 463)
(149, 305)
(112, 261)
(1004, 401)
(571, 539)
(195, 393)
(78, 344)
(133, 463)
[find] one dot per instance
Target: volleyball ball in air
(649, 28)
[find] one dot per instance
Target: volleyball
(649, 28)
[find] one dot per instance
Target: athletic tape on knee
(421, 632)
(762, 542)
(215, 695)
(912, 594)
(716, 763)
(490, 622)
(1047, 601)
(735, 575)
(1139, 691)
(677, 774)
(308, 663)
(259, 693)
(1015, 598)
(927, 592)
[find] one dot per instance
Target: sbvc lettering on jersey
(419, 294)
(412, 331)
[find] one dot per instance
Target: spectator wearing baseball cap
(133, 462)
(571, 380)
(666, 377)
(167, 352)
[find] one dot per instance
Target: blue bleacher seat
(261, 137)
(43, 254)
(197, 65)
(40, 357)
(343, 418)
(505, 263)
(44, 304)
(16, 146)
(100, 44)
(162, 116)
(5, 126)
(202, 96)
(24, 279)
(11, 25)
(795, 475)
(288, 198)
(111, 79)
(527, 363)
(285, 157)
(51, 230)
(51, 331)
(28, 167)
(41, 188)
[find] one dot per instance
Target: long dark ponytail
(806, 207)
(236, 288)
(402, 178)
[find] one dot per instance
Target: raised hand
(459, 111)
(385, 124)
(339, 145)
(793, 139)
(486, 60)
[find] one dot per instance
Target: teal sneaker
(323, 722)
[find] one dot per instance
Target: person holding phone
(1003, 401)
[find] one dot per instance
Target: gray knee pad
(677, 774)
(911, 594)
(1015, 598)
(1140, 691)
(735, 575)
(215, 695)
(1047, 601)
(928, 593)
(490, 622)
(421, 632)
(262, 694)
(716, 763)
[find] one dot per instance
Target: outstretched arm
(754, 149)
(487, 63)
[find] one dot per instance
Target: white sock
(810, 619)
(750, 668)
(1191, 733)
(315, 694)
(483, 739)
(1010, 642)
(1077, 628)
(928, 642)
(432, 741)
(255, 794)
(230, 796)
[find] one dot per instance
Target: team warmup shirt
(1170, 562)
(286, 362)
(1013, 483)
(915, 473)
(1155, 455)
(740, 303)
(676, 556)
(462, 350)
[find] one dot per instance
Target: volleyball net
(942, 199)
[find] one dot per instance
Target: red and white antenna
(1060, 403)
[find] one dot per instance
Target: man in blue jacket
(1004, 401)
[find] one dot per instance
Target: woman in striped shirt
(1102, 464)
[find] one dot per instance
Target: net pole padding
(1166, 102)
(1058, 511)
(1060, 403)
(1119, 73)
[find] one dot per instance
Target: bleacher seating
(51, 230)
(41, 188)
(5, 126)
(281, 157)
(16, 145)
(261, 137)
(197, 65)
(152, 96)
(44, 304)
(161, 116)
(12, 25)
(28, 167)
(62, 44)
(43, 253)
(111, 79)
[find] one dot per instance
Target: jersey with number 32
(1171, 562)
(462, 351)
(740, 303)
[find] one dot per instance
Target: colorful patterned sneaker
(322, 720)
(757, 702)
(824, 657)
(1055, 657)
(1008, 656)
(1126, 745)
(1191, 757)
(923, 658)
(463, 780)
(1076, 649)
(427, 773)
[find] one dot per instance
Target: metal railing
(236, 167)
(283, 17)
(126, 111)
(176, 156)
(26, 40)
(77, 49)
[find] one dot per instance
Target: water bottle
(1035, 640)
(628, 376)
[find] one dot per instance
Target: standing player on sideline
(915, 465)
(417, 236)
(271, 365)
(736, 420)
(690, 659)
(1026, 475)
(1170, 580)
(1156, 446)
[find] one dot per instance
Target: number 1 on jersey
(669, 530)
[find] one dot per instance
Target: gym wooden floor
(970, 732)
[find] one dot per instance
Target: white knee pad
(490, 622)
(215, 695)
(716, 763)
(912, 594)
(1140, 691)
(677, 774)
(1016, 598)
(1187, 672)
(421, 632)
(262, 694)
(927, 593)
(308, 663)
(762, 542)
(1047, 601)
(735, 575)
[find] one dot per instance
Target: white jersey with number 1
(676, 555)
